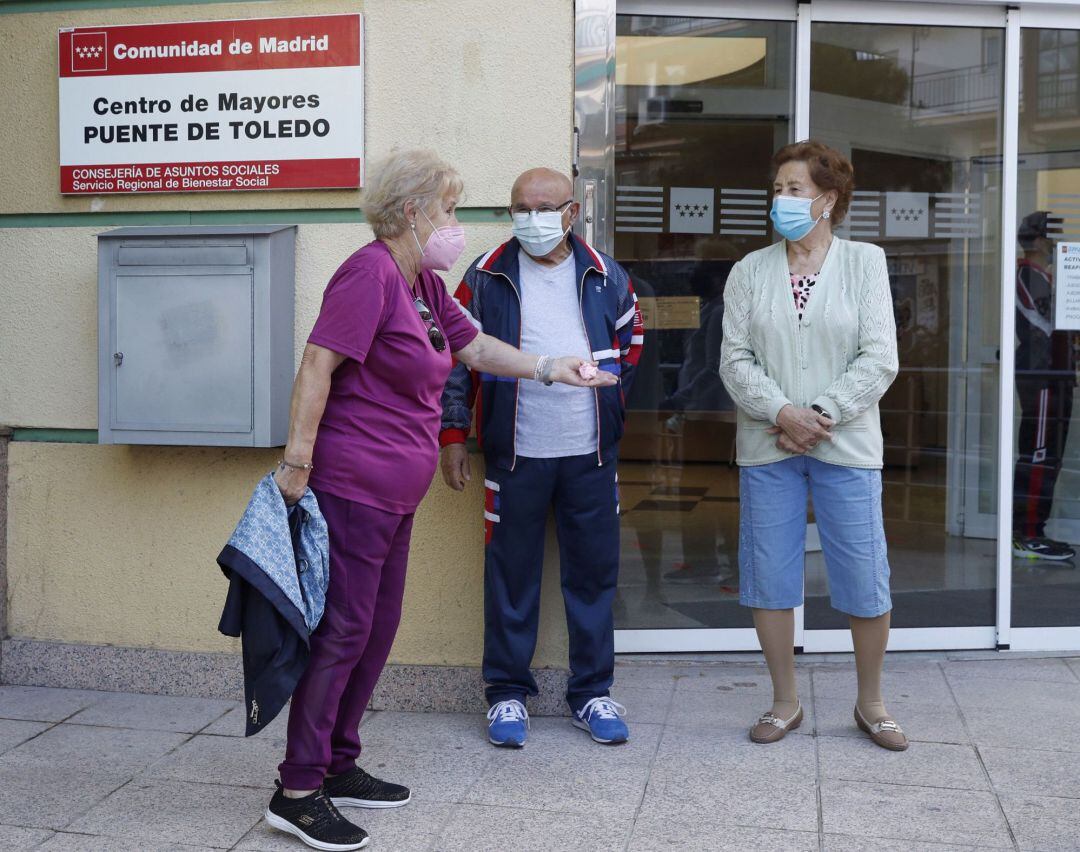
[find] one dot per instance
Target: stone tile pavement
(994, 764)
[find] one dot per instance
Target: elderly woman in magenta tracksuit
(364, 434)
(809, 349)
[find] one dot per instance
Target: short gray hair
(418, 175)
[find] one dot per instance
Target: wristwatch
(821, 411)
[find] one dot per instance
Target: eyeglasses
(543, 208)
(433, 333)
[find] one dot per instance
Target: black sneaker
(357, 789)
(1042, 548)
(316, 821)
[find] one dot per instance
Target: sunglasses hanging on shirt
(433, 333)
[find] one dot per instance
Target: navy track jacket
(491, 295)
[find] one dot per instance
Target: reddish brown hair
(829, 169)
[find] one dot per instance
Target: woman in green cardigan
(809, 348)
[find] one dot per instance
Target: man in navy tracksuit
(547, 291)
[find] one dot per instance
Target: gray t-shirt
(559, 420)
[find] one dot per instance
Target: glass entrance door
(676, 187)
(917, 109)
(700, 105)
(1046, 490)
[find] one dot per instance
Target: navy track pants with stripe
(585, 499)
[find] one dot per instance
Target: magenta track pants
(369, 551)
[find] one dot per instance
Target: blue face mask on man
(791, 216)
(538, 231)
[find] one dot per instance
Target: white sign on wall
(263, 103)
(1067, 287)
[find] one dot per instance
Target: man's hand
(799, 430)
(455, 466)
(292, 482)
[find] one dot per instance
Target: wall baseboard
(429, 689)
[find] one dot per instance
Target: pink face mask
(443, 247)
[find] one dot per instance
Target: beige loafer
(771, 729)
(885, 732)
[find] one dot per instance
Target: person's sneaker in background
(686, 572)
(1042, 548)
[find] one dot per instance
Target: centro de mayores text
(282, 128)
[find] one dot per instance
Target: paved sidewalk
(994, 763)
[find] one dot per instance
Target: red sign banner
(265, 103)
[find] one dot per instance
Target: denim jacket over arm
(277, 562)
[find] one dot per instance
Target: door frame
(1059, 16)
(594, 173)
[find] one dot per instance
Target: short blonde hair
(418, 175)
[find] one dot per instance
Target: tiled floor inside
(679, 558)
(994, 763)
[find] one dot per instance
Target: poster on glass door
(1067, 287)
(254, 104)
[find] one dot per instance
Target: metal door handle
(589, 196)
(118, 358)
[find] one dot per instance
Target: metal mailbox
(195, 335)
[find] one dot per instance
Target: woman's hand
(455, 466)
(799, 430)
(784, 442)
(292, 482)
(567, 371)
(490, 355)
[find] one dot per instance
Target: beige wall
(117, 544)
(48, 324)
(437, 73)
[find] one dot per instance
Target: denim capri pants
(772, 535)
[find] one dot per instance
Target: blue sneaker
(508, 722)
(601, 717)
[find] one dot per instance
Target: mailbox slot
(183, 254)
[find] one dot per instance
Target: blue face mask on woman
(791, 216)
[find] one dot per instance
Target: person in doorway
(547, 446)
(363, 433)
(809, 348)
(1046, 362)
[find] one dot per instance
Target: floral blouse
(801, 285)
